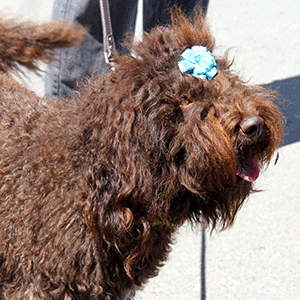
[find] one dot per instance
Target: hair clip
(199, 62)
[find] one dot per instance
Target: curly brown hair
(92, 188)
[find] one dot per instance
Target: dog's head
(193, 145)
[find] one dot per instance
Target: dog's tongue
(248, 169)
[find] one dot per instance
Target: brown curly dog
(93, 188)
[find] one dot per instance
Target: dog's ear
(118, 230)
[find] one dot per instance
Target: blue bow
(199, 62)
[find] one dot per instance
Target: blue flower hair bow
(199, 62)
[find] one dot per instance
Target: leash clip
(109, 46)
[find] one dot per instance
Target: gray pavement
(259, 258)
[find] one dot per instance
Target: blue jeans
(74, 64)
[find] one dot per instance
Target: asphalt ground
(259, 257)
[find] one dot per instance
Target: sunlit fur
(92, 188)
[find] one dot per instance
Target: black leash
(109, 46)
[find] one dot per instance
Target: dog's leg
(26, 43)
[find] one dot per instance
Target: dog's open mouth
(248, 169)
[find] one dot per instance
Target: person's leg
(75, 63)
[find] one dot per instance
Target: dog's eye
(185, 100)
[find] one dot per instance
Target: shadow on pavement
(290, 108)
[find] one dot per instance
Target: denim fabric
(74, 64)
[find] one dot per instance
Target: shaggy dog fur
(92, 189)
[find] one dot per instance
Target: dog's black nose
(252, 126)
